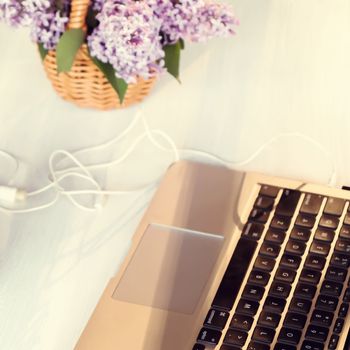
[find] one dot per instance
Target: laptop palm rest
(169, 269)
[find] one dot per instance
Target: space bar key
(235, 273)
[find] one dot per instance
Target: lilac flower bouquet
(130, 38)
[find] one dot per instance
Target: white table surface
(287, 70)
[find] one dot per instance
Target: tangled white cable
(58, 174)
(83, 172)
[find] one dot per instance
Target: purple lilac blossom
(197, 20)
(47, 24)
(20, 13)
(47, 28)
(128, 37)
(97, 5)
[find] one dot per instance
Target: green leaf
(43, 52)
(118, 84)
(182, 43)
(172, 59)
(67, 48)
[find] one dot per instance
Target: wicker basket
(85, 85)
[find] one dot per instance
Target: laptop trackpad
(169, 268)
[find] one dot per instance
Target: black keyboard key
(264, 202)
(280, 222)
(270, 191)
(346, 298)
(317, 333)
(305, 291)
(285, 275)
(311, 345)
(326, 302)
(311, 204)
(234, 337)
(247, 307)
(334, 206)
(269, 319)
(295, 320)
(347, 219)
(235, 273)
(319, 248)
(306, 221)
(340, 260)
(275, 236)
(331, 288)
(342, 246)
(300, 305)
(322, 318)
(263, 334)
(345, 231)
(343, 311)
(336, 274)
(260, 278)
(310, 276)
(264, 263)
(333, 342)
(229, 347)
(198, 347)
(328, 221)
(288, 202)
(347, 341)
(269, 249)
(339, 324)
(300, 234)
(295, 247)
(216, 318)
(257, 346)
(289, 335)
(324, 235)
(207, 335)
(290, 261)
(281, 346)
(253, 230)
(241, 322)
(274, 304)
(280, 290)
(315, 262)
(253, 292)
(259, 215)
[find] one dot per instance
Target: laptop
(226, 260)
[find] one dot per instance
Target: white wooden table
(287, 70)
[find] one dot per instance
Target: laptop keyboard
(293, 257)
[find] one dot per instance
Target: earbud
(12, 195)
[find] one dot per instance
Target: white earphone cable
(81, 171)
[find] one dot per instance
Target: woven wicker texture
(85, 85)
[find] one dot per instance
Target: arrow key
(264, 335)
(234, 337)
(242, 322)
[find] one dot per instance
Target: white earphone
(12, 198)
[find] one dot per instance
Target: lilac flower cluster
(128, 37)
(19, 13)
(198, 20)
(46, 22)
(131, 33)
(47, 28)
